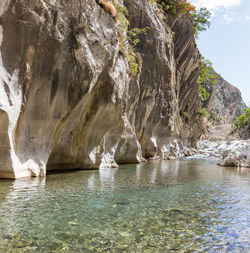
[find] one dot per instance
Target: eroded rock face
(67, 96)
(225, 102)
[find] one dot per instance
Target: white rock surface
(235, 153)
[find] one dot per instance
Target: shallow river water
(165, 206)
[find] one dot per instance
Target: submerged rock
(67, 96)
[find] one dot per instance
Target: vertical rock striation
(68, 99)
(188, 67)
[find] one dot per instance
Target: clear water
(167, 206)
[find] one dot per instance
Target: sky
(227, 42)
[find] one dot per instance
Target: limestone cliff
(68, 99)
(225, 102)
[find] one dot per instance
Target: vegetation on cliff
(129, 38)
(177, 8)
(201, 20)
(207, 76)
(243, 120)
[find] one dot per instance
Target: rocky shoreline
(231, 152)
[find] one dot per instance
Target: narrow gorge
(68, 99)
(90, 86)
(82, 89)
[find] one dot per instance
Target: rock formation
(244, 132)
(225, 102)
(68, 99)
(233, 153)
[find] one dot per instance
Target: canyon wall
(68, 99)
(225, 102)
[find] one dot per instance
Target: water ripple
(182, 206)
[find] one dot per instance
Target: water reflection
(27, 184)
(107, 177)
(167, 205)
(91, 182)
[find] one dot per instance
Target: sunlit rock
(234, 153)
(68, 99)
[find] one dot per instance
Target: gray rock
(244, 132)
(225, 102)
(68, 100)
(5, 156)
(234, 153)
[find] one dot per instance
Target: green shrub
(134, 33)
(133, 65)
(206, 76)
(242, 120)
(204, 113)
(201, 20)
(134, 59)
(176, 7)
(204, 94)
(207, 72)
(130, 37)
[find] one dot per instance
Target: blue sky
(227, 42)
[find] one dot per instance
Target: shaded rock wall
(187, 58)
(68, 100)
